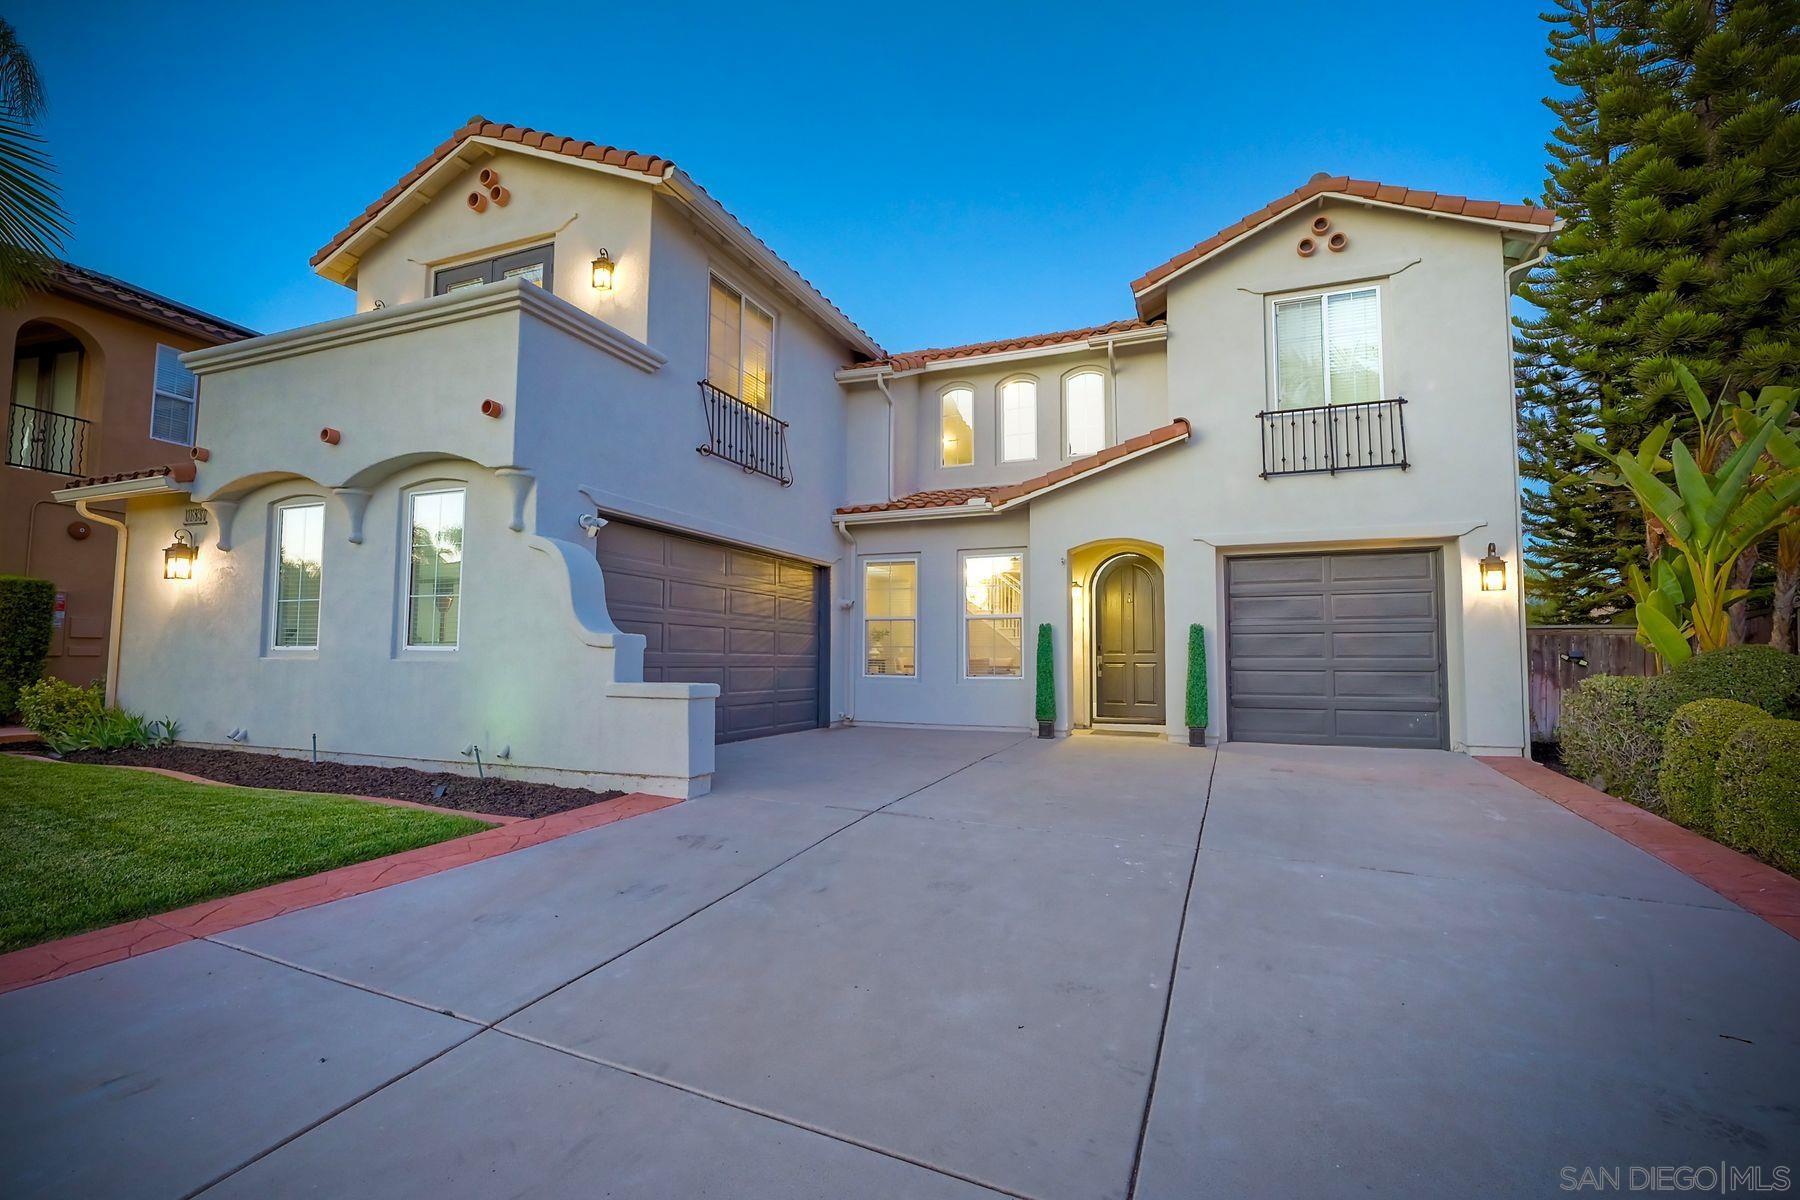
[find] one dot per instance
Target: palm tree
(32, 225)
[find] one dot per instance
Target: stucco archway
(1085, 563)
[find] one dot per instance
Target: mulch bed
(501, 797)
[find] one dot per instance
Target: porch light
(603, 272)
(178, 559)
(1493, 571)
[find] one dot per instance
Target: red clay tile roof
(913, 359)
(180, 472)
(128, 298)
(1000, 496)
(478, 126)
(1362, 189)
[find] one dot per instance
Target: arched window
(956, 420)
(1018, 420)
(1084, 413)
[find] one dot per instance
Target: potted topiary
(1196, 686)
(1046, 683)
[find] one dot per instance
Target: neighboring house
(96, 387)
(396, 558)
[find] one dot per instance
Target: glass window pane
(531, 273)
(759, 346)
(1299, 353)
(172, 419)
(724, 341)
(958, 427)
(172, 377)
(888, 648)
(1085, 413)
(1018, 421)
(994, 646)
(299, 575)
(434, 590)
(993, 584)
(890, 589)
(1354, 322)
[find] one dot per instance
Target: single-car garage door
(1336, 649)
(712, 613)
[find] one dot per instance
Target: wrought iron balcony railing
(744, 434)
(40, 440)
(1330, 438)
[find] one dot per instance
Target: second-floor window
(741, 347)
(173, 399)
(1328, 349)
(535, 265)
(1084, 413)
(1018, 420)
(956, 426)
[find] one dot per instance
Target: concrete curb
(1753, 886)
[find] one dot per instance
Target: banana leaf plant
(1706, 516)
(1782, 453)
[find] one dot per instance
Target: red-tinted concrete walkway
(66, 956)
(1753, 886)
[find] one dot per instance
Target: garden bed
(498, 796)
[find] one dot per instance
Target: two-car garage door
(1337, 649)
(712, 613)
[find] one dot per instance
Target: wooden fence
(1561, 656)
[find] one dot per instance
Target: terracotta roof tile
(1366, 189)
(1001, 495)
(84, 284)
(913, 359)
(181, 473)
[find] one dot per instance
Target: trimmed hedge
(26, 622)
(1197, 714)
(1046, 675)
(1612, 736)
(1759, 675)
(1696, 735)
(1757, 807)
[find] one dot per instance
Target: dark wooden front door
(1128, 641)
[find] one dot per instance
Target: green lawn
(84, 846)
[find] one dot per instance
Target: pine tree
(1676, 170)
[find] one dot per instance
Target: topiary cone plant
(1196, 685)
(1046, 683)
(1710, 515)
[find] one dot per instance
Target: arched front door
(1128, 641)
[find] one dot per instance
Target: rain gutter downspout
(881, 381)
(846, 602)
(117, 631)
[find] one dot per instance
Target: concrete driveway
(888, 963)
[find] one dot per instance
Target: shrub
(52, 706)
(1046, 675)
(114, 729)
(1196, 679)
(26, 621)
(1759, 675)
(1757, 803)
(1612, 734)
(1691, 744)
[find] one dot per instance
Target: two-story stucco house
(472, 514)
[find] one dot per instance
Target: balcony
(1329, 438)
(744, 434)
(40, 440)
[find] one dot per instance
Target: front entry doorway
(1128, 642)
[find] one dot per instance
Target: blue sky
(945, 173)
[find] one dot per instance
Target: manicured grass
(82, 847)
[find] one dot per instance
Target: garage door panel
(743, 620)
(1336, 648)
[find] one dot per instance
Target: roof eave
(123, 489)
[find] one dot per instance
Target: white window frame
(943, 394)
(407, 496)
(1000, 413)
(1106, 411)
(862, 602)
(157, 393)
(277, 513)
(714, 275)
(964, 616)
(1324, 299)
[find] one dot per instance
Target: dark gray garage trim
(1336, 649)
(747, 620)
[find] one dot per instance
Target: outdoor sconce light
(1493, 571)
(178, 559)
(603, 272)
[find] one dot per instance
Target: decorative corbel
(356, 503)
(222, 512)
(519, 481)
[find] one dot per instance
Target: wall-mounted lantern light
(1493, 571)
(178, 559)
(603, 272)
